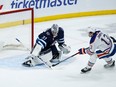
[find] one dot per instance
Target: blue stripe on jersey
(41, 42)
(107, 55)
(94, 37)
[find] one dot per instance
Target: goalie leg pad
(32, 61)
(36, 50)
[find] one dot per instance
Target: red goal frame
(32, 20)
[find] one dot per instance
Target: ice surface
(66, 74)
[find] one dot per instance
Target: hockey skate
(86, 69)
(56, 57)
(110, 65)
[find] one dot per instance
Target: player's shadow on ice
(66, 62)
(15, 62)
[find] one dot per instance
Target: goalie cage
(17, 24)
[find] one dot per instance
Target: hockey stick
(65, 59)
(22, 44)
(45, 63)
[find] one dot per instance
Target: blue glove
(82, 51)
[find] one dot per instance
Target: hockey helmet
(91, 30)
(54, 29)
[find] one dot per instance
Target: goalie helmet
(54, 29)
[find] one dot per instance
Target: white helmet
(91, 29)
(54, 29)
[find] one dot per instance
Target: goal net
(17, 28)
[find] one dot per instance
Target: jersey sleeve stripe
(41, 42)
(61, 40)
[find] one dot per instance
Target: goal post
(16, 19)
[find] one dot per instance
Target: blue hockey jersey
(46, 39)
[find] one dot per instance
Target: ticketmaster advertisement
(54, 7)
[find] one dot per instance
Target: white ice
(66, 74)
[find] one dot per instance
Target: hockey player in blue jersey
(45, 47)
(101, 46)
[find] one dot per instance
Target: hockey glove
(66, 49)
(82, 51)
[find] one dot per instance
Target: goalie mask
(54, 29)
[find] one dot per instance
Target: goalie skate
(27, 63)
(32, 61)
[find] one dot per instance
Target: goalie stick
(45, 63)
(65, 59)
(22, 44)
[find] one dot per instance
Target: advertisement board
(44, 8)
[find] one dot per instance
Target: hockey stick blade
(22, 44)
(65, 59)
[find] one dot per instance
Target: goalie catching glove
(66, 49)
